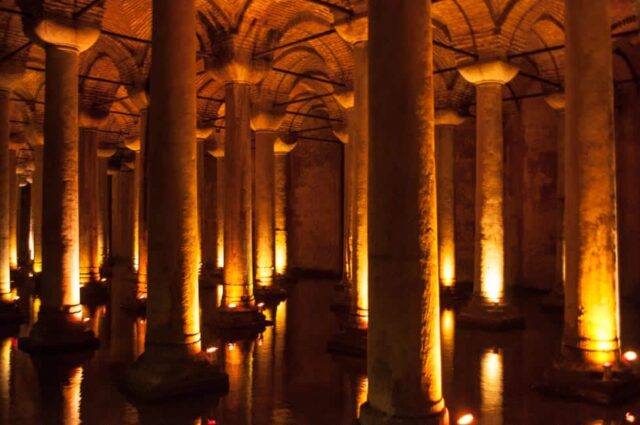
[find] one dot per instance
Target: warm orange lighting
(281, 252)
(231, 346)
(260, 305)
(491, 387)
(492, 282)
(219, 293)
(233, 305)
(630, 356)
(211, 350)
(466, 419)
(630, 418)
(363, 389)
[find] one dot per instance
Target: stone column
(122, 198)
(13, 209)
(135, 146)
(216, 149)
(60, 325)
(446, 122)
(102, 220)
(208, 230)
(36, 207)
(556, 297)
(88, 177)
(238, 307)
(281, 186)
(403, 359)
(488, 306)
(173, 362)
(8, 310)
(265, 123)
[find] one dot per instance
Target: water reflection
(5, 379)
(491, 387)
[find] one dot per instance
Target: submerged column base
(162, 376)
(57, 332)
(10, 313)
(614, 385)
(273, 292)
(248, 318)
(482, 314)
(351, 341)
(369, 415)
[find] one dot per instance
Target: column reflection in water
(448, 336)
(237, 406)
(60, 385)
(361, 395)
(491, 387)
(5, 379)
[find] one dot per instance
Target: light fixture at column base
(240, 319)
(270, 293)
(351, 341)
(10, 313)
(570, 381)
(553, 301)
(481, 314)
(153, 378)
(369, 415)
(58, 333)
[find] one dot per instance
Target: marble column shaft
(5, 187)
(280, 213)
(14, 201)
(220, 193)
(591, 318)
(36, 206)
(445, 157)
(404, 320)
(264, 204)
(88, 179)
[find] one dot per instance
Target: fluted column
(556, 297)
(173, 362)
(59, 323)
(446, 122)
(88, 183)
(8, 311)
(488, 307)
(403, 363)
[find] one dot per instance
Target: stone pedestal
(488, 306)
(403, 362)
(173, 363)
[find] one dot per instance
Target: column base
(480, 314)
(10, 313)
(571, 381)
(451, 296)
(94, 292)
(351, 341)
(369, 415)
(240, 319)
(58, 332)
(553, 301)
(153, 378)
(271, 293)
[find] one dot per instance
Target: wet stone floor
(286, 376)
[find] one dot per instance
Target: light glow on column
(492, 273)
(281, 252)
(71, 396)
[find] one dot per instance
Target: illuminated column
(556, 296)
(265, 123)
(488, 307)
(88, 176)
(204, 266)
(281, 185)
(403, 358)
(217, 151)
(122, 182)
(36, 206)
(59, 325)
(446, 122)
(138, 171)
(591, 318)
(173, 362)
(103, 205)
(13, 209)
(8, 310)
(209, 226)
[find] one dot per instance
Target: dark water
(285, 376)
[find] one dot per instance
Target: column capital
(493, 71)
(61, 31)
(353, 29)
(283, 145)
(214, 145)
(139, 96)
(105, 151)
(556, 101)
(266, 119)
(92, 118)
(345, 97)
(133, 143)
(449, 117)
(233, 62)
(16, 142)
(34, 134)
(203, 131)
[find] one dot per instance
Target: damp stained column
(403, 360)
(281, 177)
(59, 325)
(488, 306)
(88, 176)
(173, 362)
(36, 206)
(103, 205)
(591, 318)
(446, 122)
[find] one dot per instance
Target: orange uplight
(466, 419)
(231, 346)
(211, 350)
(233, 305)
(630, 356)
(630, 418)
